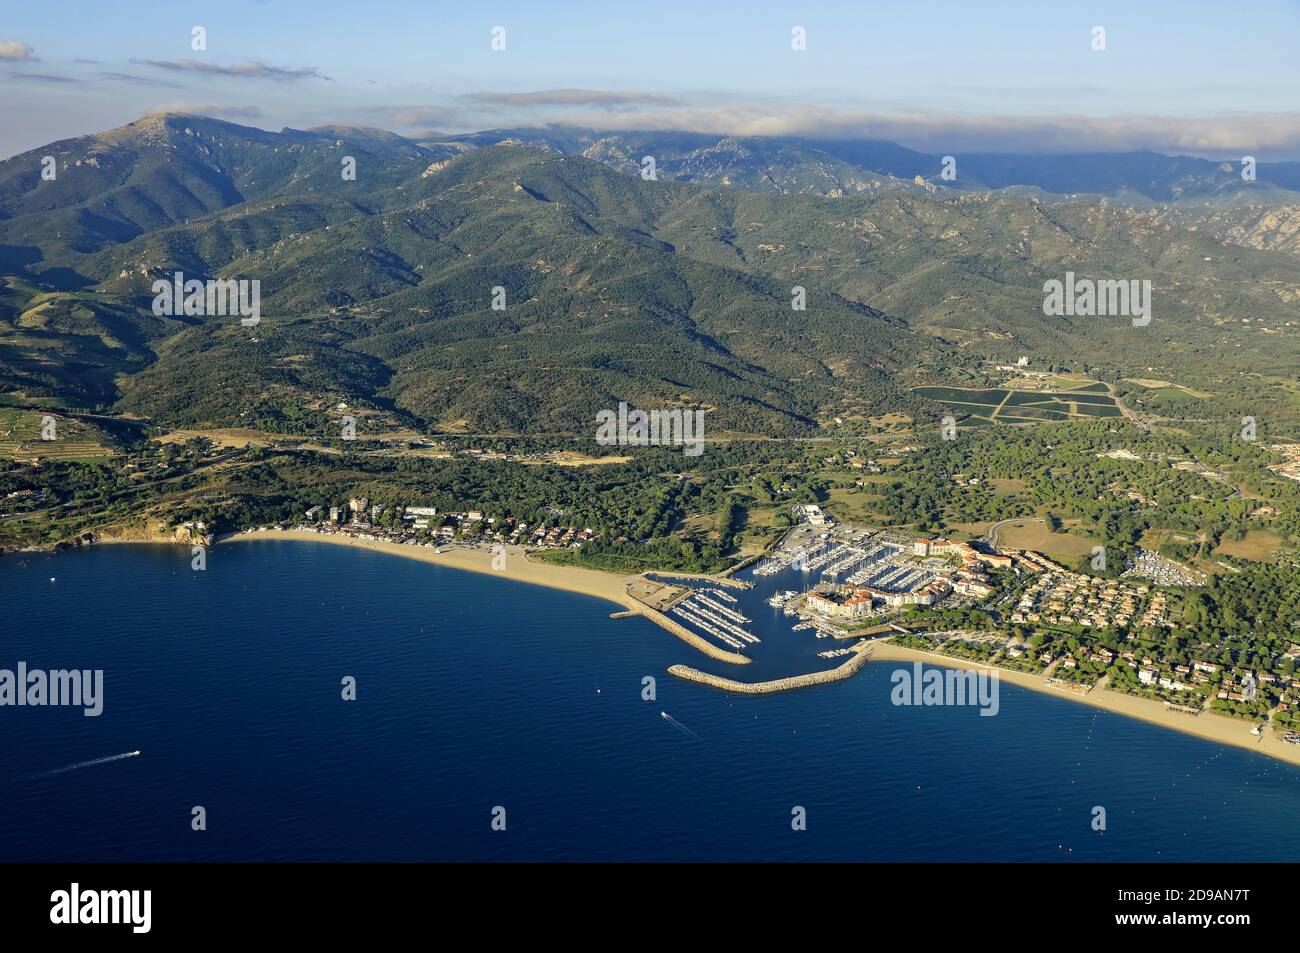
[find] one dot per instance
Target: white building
(813, 514)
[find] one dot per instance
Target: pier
(691, 639)
(684, 612)
(828, 554)
(714, 624)
(842, 565)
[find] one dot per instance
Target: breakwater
(723, 579)
(690, 638)
(839, 673)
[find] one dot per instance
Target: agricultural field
(983, 406)
(1072, 383)
(20, 438)
(1080, 385)
(1258, 546)
(1168, 389)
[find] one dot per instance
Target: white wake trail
(679, 726)
(81, 764)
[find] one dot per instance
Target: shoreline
(587, 582)
(612, 588)
(1207, 725)
(577, 579)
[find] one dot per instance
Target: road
(991, 537)
(130, 490)
(1128, 414)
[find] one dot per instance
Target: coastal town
(428, 526)
(1023, 613)
(1079, 632)
(965, 601)
(703, 435)
(807, 574)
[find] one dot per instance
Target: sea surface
(476, 693)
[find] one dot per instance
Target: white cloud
(199, 108)
(251, 69)
(570, 97)
(13, 50)
(410, 116)
(1211, 134)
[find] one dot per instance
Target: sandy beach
(588, 582)
(1212, 727)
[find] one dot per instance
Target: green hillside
(378, 292)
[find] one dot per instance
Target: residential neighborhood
(426, 525)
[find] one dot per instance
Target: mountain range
(378, 290)
(835, 167)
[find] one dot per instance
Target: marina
(806, 561)
(715, 619)
(699, 623)
(782, 598)
(836, 653)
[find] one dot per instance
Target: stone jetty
(839, 673)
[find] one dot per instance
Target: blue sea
(476, 693)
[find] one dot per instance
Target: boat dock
(716, 619)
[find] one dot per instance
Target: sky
(1191, 77)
